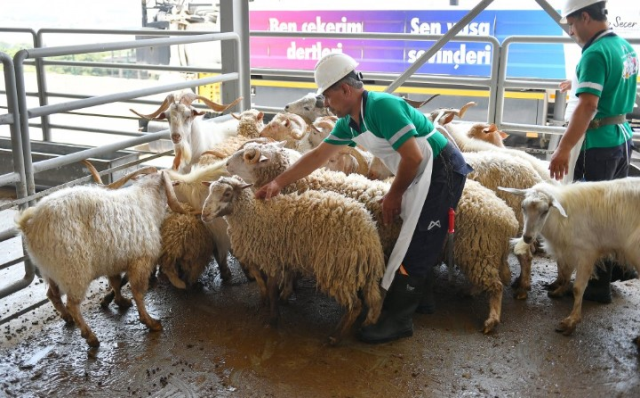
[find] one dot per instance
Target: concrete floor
(215, 344)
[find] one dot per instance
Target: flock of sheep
(326, 226)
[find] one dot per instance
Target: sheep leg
(568, 325)
(85, 331)
(345, 323)
(288, 287)
(495, 308)
(53, 293)
(561, 285)
(116, 285)
(274, 305)
(169, 270)
(260, 279)
(522, 284)
(139, 280)
(220, 255)
(108, 298)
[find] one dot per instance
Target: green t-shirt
(608, 69)
(390, 117)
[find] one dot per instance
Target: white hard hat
(331, 68)
(571, 6)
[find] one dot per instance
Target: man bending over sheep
(429, 177)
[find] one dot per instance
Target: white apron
(412, 199)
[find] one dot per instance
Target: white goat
(80, 233)
(581, 223)
(310, 107)
(191, 137)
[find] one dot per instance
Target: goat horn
(145, 170)
(464, 108)
(190, 97)
(93, 171)
(163, 107)
(420, 104)
(172, 200)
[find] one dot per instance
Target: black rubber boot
(623, 273)
(428, 302)
(400, 303)
(599, 290)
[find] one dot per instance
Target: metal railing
(19, 116)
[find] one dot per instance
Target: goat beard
(185, 152)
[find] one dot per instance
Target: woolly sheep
(580, 223)
(188, 244)
(310, 107)
(191, 137)
(488, 133)
(495, 169)
(80, 233)
(259, 164)
(250, 123)
(458, 133)
(317, 234)
(488, 223)
(320, 129)
(288, 127)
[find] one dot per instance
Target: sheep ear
(263, 159)
(515, 191)
(260, 115)
(503, 135)
(287, 122)
(281, 144)
(319, 101)
(558, 206)
(206, 183)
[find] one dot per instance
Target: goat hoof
(566, 328)
(489, 325)
(107, 299)
(124, 303)
(154, 325)
(91, 339)
(225, 274)
(68, 319)
(521, 294)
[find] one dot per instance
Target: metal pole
(234, 17)
(42, 90)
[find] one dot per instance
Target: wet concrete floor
(215, 344)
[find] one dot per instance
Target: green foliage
(124, 56)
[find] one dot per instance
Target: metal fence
(20, 114)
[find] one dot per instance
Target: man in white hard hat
(606, 88)
(429, 177)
